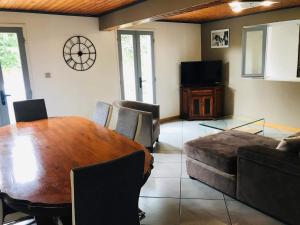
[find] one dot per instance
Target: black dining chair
(108, 193)
(30, 110)
(9, 216)
(128, 123)
(103, 113)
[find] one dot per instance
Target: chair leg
(150, 149)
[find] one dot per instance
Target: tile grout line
(227, 210)
(179, 210)
(208, 199)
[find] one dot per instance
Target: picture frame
(220, 38)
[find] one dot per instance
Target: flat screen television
(201, 73)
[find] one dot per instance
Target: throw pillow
(291, 143)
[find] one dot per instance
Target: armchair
(150, 125)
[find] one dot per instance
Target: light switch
(48, 75)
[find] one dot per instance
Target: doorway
(136, 55)
(14, 76)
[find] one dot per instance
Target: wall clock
(79, 53)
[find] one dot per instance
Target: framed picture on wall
(220, 38)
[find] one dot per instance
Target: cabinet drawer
(202, 92)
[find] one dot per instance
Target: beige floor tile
(168, 170)
(161, 187)
(167, 157)
(241, 214)
(160, 211)
(195, 189)
(203, 212)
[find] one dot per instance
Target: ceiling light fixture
(267, 3)
(238, 6)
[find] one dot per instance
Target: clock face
(79, 53)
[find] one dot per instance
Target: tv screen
(201, 73)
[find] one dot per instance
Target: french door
(136, 57)
(14, 77)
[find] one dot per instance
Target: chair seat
(220, 150)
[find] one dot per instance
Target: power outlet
(48, 75)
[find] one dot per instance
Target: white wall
(69, 92)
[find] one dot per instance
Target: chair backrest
(128, 123)
(30, 110)
(108, 193)
(103, 113)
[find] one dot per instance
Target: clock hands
(82, 53)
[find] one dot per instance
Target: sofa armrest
(285, 161)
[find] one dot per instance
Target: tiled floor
(170, 197)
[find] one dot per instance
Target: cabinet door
(196, 107)
(207, 106)
(184, 99)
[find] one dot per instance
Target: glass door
(137, 65)
(14, 77)
(4, 116)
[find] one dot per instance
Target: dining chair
(128, 123)
(108, 193)
(30, 110)
(103, 113)
(150, 121)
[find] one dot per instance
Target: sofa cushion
(290, 143)
(220, 150)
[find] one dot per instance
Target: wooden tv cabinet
(198, 103)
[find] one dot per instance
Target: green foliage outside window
(9, 55)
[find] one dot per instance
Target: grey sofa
(250, 169)
(150, 125)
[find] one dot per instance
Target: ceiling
(221, 10)
(72, 7)
(216, 10)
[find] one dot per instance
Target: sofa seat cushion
(220, 150)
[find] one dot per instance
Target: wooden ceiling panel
(221, 10)
(73, 7)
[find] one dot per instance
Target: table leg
(42, 220)
(66, 220)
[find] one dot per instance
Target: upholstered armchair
(150, 126)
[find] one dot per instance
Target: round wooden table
(36, 159)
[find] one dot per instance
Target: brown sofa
(249, 168)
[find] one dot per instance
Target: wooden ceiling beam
(150, 10)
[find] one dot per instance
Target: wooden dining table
(36, 159)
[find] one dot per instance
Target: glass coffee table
(250, 125)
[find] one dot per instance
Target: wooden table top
(36, 157)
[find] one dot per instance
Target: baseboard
(282, 127)
(169, 119)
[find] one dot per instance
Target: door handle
(3, 97)
(141, 82)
